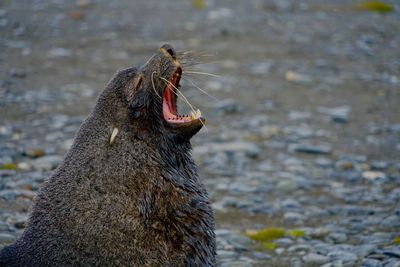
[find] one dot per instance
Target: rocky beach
(301, 150)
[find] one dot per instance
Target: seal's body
(127, 192)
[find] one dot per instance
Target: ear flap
(140, 104)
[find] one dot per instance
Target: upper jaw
(183, 123)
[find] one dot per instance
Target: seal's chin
(181, 122)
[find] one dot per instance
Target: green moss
(376, 6)
(396, 240)
(296, 233)
(269, 245)
(199, 4)
(267, 234)
(9, 166)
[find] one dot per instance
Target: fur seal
(127, 192)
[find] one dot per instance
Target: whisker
(194, 63)
(152, 82)
(213, 97)
(177, 90)
(202, 73)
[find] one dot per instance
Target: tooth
(198, 113)
(192, 115)
(113, 135)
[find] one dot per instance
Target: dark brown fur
(136, 202)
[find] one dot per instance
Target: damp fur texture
(137, 201)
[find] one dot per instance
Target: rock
(262, 68)
(311, 149)
(228, 106)
(287, 186)
(347, 258)
(239, 243)
(372, 263)
(313, 258)
(299, 248)
(292, 76)
(220, 13)
(364, 250)
(320, 232)
(338, 237)
(60, 52)
(6, 238)
(283, 242)
(291, 204)
(12, 194)
(293, 217)
(378, 165)
(34, 152)
(250, 149)
(393, 253)
(344, 164)
(337, 114)
(299, 115)
(46, 163)
(323, 162)
(261, 256)
(373, 175)
(24, 166)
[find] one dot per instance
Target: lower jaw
(186, 129)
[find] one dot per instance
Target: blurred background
(301, 155)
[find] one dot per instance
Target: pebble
(311, 149)
(347, 258)
(373, 175)
(372, 263)
(293, 217)
(46, 163)
(279, 147)
(313, 258)
(228, 106)
(338, 114)
(6, 238)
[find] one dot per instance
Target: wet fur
(135, 202)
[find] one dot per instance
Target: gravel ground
(303, 127)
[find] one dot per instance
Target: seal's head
(151, 93)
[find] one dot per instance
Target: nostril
(170, 50)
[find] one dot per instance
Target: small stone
(338, 237)
(311, 149)
(320, 232)
(299, 115)
(24, 166)
(60, 52)
(7, 238)
(323, 162)
(338, 114)
(344, 165)
(287, 186)
(378, 165)
(46, 163)
(34, 153)
(261, 256)
(293, 217)
(292, 76)
(344, 256)
(313, 258)
(373, 175)
(372, 263)
(228, 106)
(393, 253)
(260, 67)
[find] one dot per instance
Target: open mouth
(170, 112)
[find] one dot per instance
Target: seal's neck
(178, 165)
